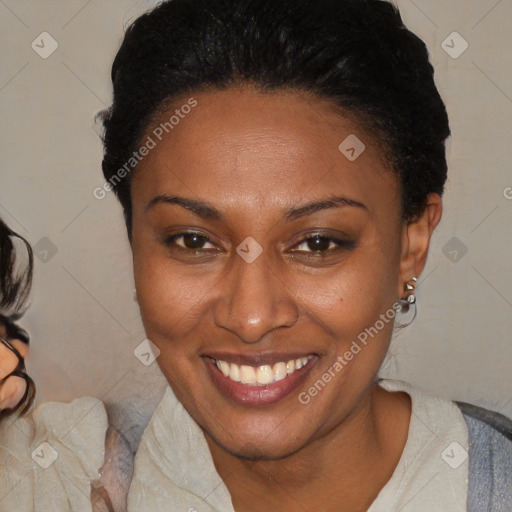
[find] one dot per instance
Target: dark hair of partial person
(16, 270)
(356, 53)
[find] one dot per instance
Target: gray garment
(490, 459)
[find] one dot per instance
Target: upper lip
(258, 359)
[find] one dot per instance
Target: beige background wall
(84, 323)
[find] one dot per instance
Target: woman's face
(266, 275)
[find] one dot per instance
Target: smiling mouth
(262, 375)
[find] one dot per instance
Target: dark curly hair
(15, 283)
(356, 53)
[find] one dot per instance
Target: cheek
(170, 298)
(8, 359)
(12, 392)
(352, 296)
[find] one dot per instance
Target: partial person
(56, 456)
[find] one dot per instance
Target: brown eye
(189, 240)
(322, 244)
(318, 243)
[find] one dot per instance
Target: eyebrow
(208, 212)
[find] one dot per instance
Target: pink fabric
(109, 492)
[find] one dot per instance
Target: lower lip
(246, 394)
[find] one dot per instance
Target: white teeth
(280, 372)
(247, 375)
(261, 375)
(224, 368)
(234, 373)
(264, 375)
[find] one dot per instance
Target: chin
(261, 449)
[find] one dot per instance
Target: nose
(253, 301)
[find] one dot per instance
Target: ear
(415, 241)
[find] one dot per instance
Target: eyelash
(341, 244)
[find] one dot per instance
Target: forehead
(264, 148)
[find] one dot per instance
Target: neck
(344, 469)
